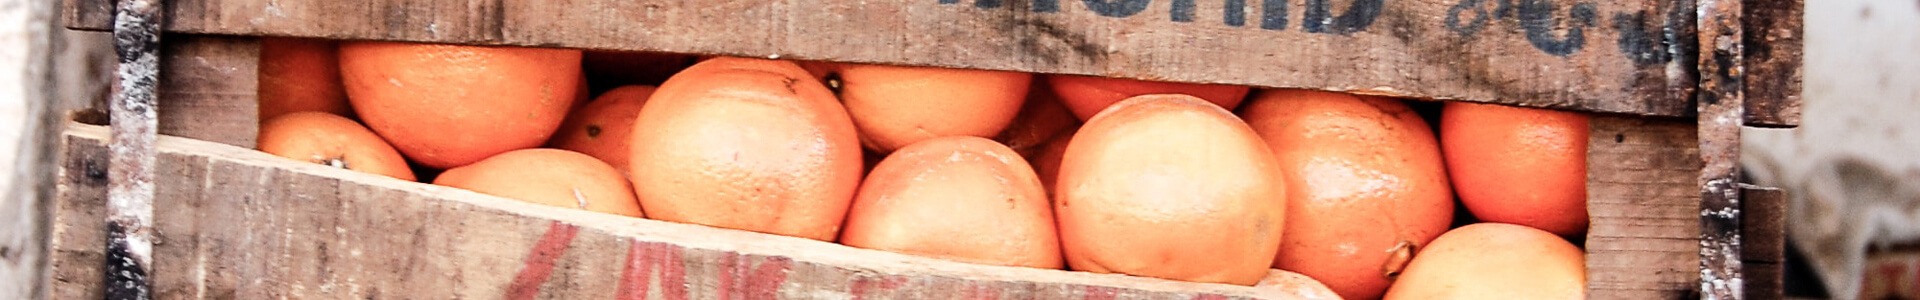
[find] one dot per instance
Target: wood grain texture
(1775, 42)
(239, 224)
(1643, 199)
(1629, 56)
(1763, 240)
(207, 89)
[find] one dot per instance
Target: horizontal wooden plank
(239, 224)
(1643, 202)
(1600, 56)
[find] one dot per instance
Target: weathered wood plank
(1643, 199)
(1629, 56)
(1775, 43)
(207, 89)
(239, 224)
(1763, 240)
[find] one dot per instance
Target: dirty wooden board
(1763, 240)
(1629, 56)
(207, 89)
(1775, 43)
(239, 224)
(1643, 200)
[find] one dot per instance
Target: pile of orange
(1318, 194)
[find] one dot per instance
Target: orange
(1087, 95)
(1296, 285)
(1494, 261)
(1367, 185)
(898, 105)
(1518, 165)
(298, 74)
(332, 140)
(551, 177)
(1170, 186)
(449, 105)
(1041, 119)
(961, 198)
(748, 144)
(1046, 162)
(601, 127)
(607, 70)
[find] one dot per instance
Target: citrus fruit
(1518, 165)
(450, 105)
(1170, 186)
(551, 177)
(1041, 119)
(962, 198)
(748, 144)
(1494, 261)
(600, 128)
(299, 74)
(1367, 186)
(332, 140)
(898, 105)
(1087, 95)
(1296, 285)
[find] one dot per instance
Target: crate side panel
(1643, 200)
(267, 227)
(1606, 56)
(207, 89)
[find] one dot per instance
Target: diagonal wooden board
(1627, 56)
(239, 224)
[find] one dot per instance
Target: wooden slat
(1763, 240)
(1775, 43)
(239, 224)
(207, 86)
(1603, 56)
(1643, 199)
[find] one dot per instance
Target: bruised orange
(332, 140)
(551, 177)
(1367, 186)
(1518, 165)
(748, 144)
(1087, 95)
(300, 74)
(962, 198)
(1170, 186)
(898, 105)
(1494, 261)
(600, 128)
(450, 105)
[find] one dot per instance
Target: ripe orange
(1494, 261)
(450, 105)
(332, 140)
(1041, 118)
(1087, 95)
(747, 144)
(1170, 186)
(1518, 165)
(1367, 185)
(601, 127)
(298, 74)
(898, 105)
(1296, 285)
(959, 197)
(551, 177)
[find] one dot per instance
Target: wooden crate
(235, 223)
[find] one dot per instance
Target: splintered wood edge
(1643, 203)
(181, 155)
